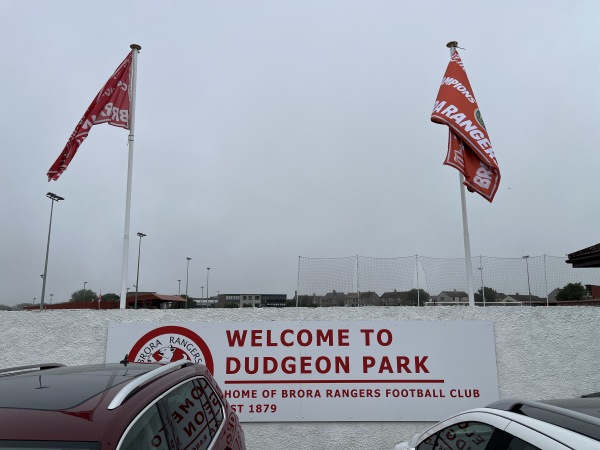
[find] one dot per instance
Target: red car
(116, 406)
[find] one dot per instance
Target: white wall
(543, 352)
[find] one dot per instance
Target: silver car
(516, 425)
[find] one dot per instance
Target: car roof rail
(565, 418)
(128, 389)
(29, 368)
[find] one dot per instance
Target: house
(552, 295)
(369, 299)
(525, 299)
(351, 299)
(396, 298)
(449, 297)
(592, 290)
(334, 299)
(364, 299)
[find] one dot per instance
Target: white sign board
(328, 370)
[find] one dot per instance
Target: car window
(188, 416)
(519, 444)
(193, 414)
(459, 436)
(146, 432)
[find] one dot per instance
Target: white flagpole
(469, 265)
(123, 300)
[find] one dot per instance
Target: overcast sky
(266, 130)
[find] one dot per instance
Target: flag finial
(135, 47)
(452, 44)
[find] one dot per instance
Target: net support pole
(418, 287)
(468, 263)
(298, 282)
(357, 283)
(546, 280)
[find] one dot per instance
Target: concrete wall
(541, 353)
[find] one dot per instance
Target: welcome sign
(328, 370)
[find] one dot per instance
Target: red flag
(469, 147)
(111, 105)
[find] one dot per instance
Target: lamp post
(137, 279)
(84, 283)
(482, 287)
(34, 300)
(526, 258)
(53, 198)
(207, 272)
(179, 288)
(202, 287)
(51, 295)
(187, 278)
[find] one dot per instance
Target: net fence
(538, 275)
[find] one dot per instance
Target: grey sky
(266, 130)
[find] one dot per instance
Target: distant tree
(490, 295)
(5, 308)
(190, 301)
(110, 298)
(572, 291)
(84, 295)
(417, 297)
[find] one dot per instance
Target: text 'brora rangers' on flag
(469, 147)
(111, 105)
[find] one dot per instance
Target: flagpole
(468, 263)
(123, 300)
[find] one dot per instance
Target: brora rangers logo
(479, 118)
(171, 343)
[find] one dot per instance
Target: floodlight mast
(137, 278)
(54, 198)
